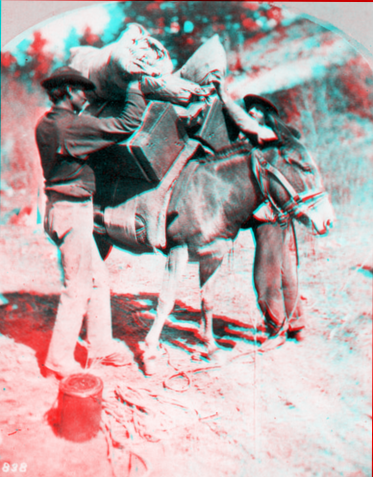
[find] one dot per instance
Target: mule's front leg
(207, 271)
(175, 266)
(206, 330)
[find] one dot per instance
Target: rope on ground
(187, 375)
(142, 415)
(255, 356)
(148, 469)
(248, 353)
(138, 415)
(111, 445)
(166, 382)
(348, 281)
(344, 286)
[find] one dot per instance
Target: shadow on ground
(29, 319)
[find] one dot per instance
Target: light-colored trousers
(86, 289)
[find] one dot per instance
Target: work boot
(62, 371)
(116, 354)
(277, 337)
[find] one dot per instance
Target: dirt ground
(301, 410)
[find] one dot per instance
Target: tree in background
(181, 26)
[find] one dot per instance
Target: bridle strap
(311, 198)
(263, 164)
(282, 179)
(260, 164)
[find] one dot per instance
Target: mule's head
(294, 184)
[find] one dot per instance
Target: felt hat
(67, 75)
(252, 99)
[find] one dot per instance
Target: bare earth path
(301, 410)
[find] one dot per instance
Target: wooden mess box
(157, 143)
(139, 163)
(213, 131)
(152, 148)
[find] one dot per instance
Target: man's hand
(221, 90)
(243, 120)
(265, 133)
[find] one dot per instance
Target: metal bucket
(80, 399)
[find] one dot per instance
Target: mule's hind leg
(175, 266)
(207, 269)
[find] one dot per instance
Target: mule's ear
(294, 131)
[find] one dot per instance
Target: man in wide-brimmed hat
(275, 265)
(65, 139)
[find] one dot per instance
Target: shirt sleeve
(86, 134)
(247, 124)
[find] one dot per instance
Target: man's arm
(244, 121)
(86, 134)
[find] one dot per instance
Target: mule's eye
(304, 167)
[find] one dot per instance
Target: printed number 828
(14, 467)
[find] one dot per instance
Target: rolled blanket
(112, 67)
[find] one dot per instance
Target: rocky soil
(301, 410)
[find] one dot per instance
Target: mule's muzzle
(314, 211)
(317, 215)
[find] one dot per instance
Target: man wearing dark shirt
(275, 264)
(65, 139)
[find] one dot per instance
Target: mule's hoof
(155, 366)
(154, 359)
(211, 350)
(297, 335)
(149, 352)
(217, 356)
(150, 366)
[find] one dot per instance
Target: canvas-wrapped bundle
(136, 55)
(207, 64)
(112, 67)
(195, 79)
(174, 89)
